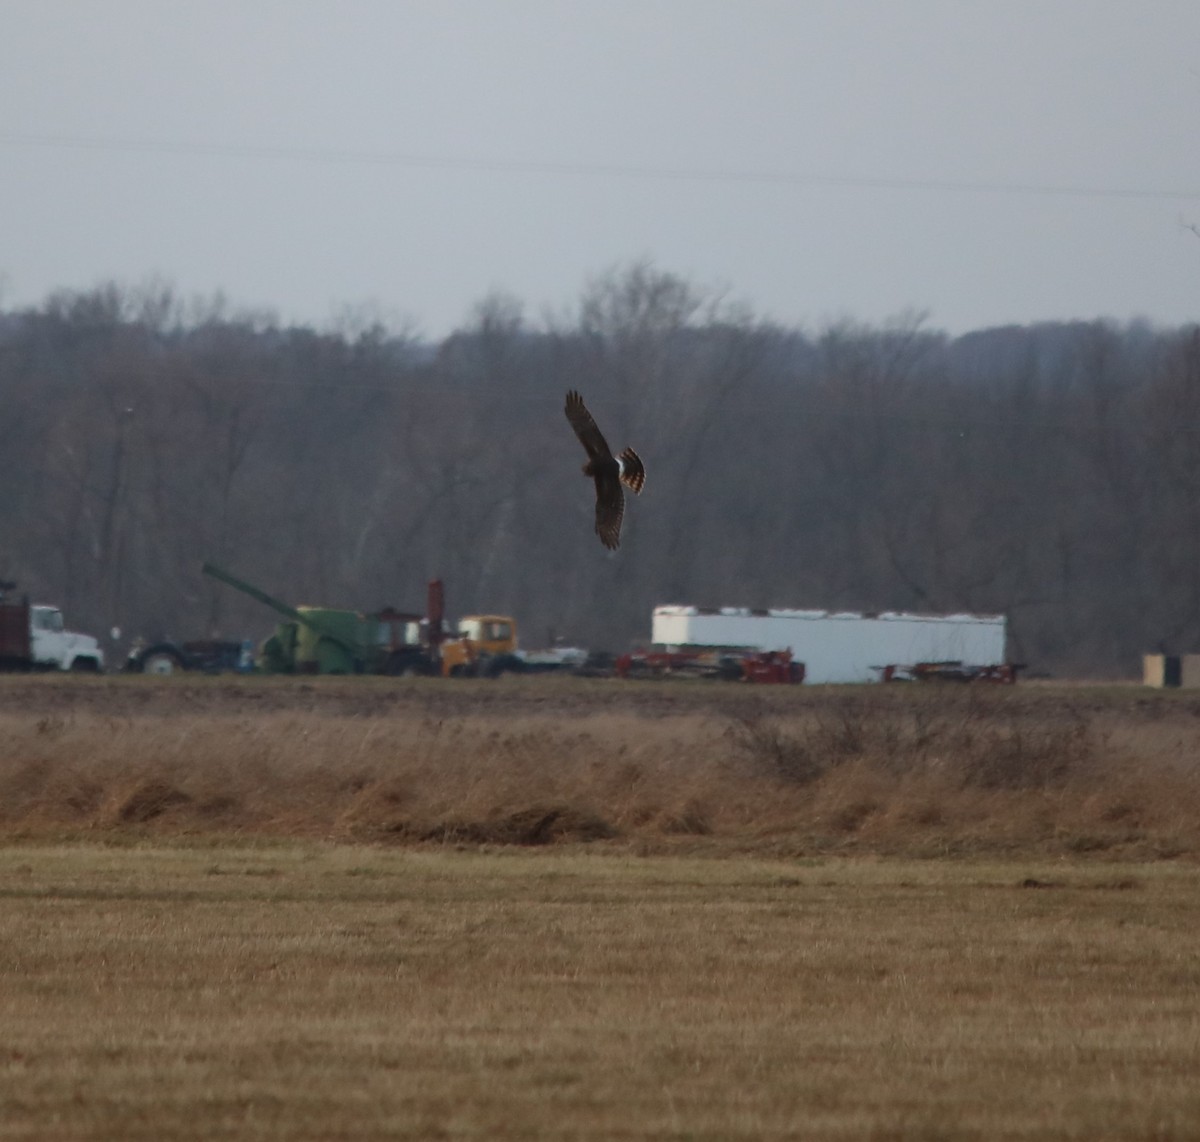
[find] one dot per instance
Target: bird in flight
(608, 471)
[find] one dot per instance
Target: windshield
(47, 618)
(398, 632)
(485, 630)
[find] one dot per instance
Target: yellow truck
(485, 647)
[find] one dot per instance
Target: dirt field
(366, 908)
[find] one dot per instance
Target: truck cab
(486, 644)
(55, 648)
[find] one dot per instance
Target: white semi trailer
(838, 646)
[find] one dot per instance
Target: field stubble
(337, 991)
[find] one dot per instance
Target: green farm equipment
(326, 640)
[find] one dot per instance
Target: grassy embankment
(910, 771)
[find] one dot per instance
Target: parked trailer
(726, 664)
(1005, 674)
(209, 656)
(839, 646)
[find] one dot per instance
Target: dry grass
(780, 771)
(185, 954)
(314, 991)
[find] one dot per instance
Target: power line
(412, 161)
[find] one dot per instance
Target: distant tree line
(1050, 472)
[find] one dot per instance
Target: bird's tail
(633, 471)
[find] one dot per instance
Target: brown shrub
(972, 741)
(537, 825)
(692, 818)
(147, 800)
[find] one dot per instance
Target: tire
(85, 666)
(729, 670)
(505, 664)
(162, 662)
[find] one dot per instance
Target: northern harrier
(609, 471)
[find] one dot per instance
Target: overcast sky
(989, 161)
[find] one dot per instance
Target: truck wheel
(505, 664)
(85, 666)
(162, 662)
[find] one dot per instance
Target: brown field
(325, 991)
(553, 908)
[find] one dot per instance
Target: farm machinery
(329, 640)
(308, 640)
(727, 664)
(950, 671)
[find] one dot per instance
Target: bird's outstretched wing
(610, 508)
(633, 471)
(585, 428)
